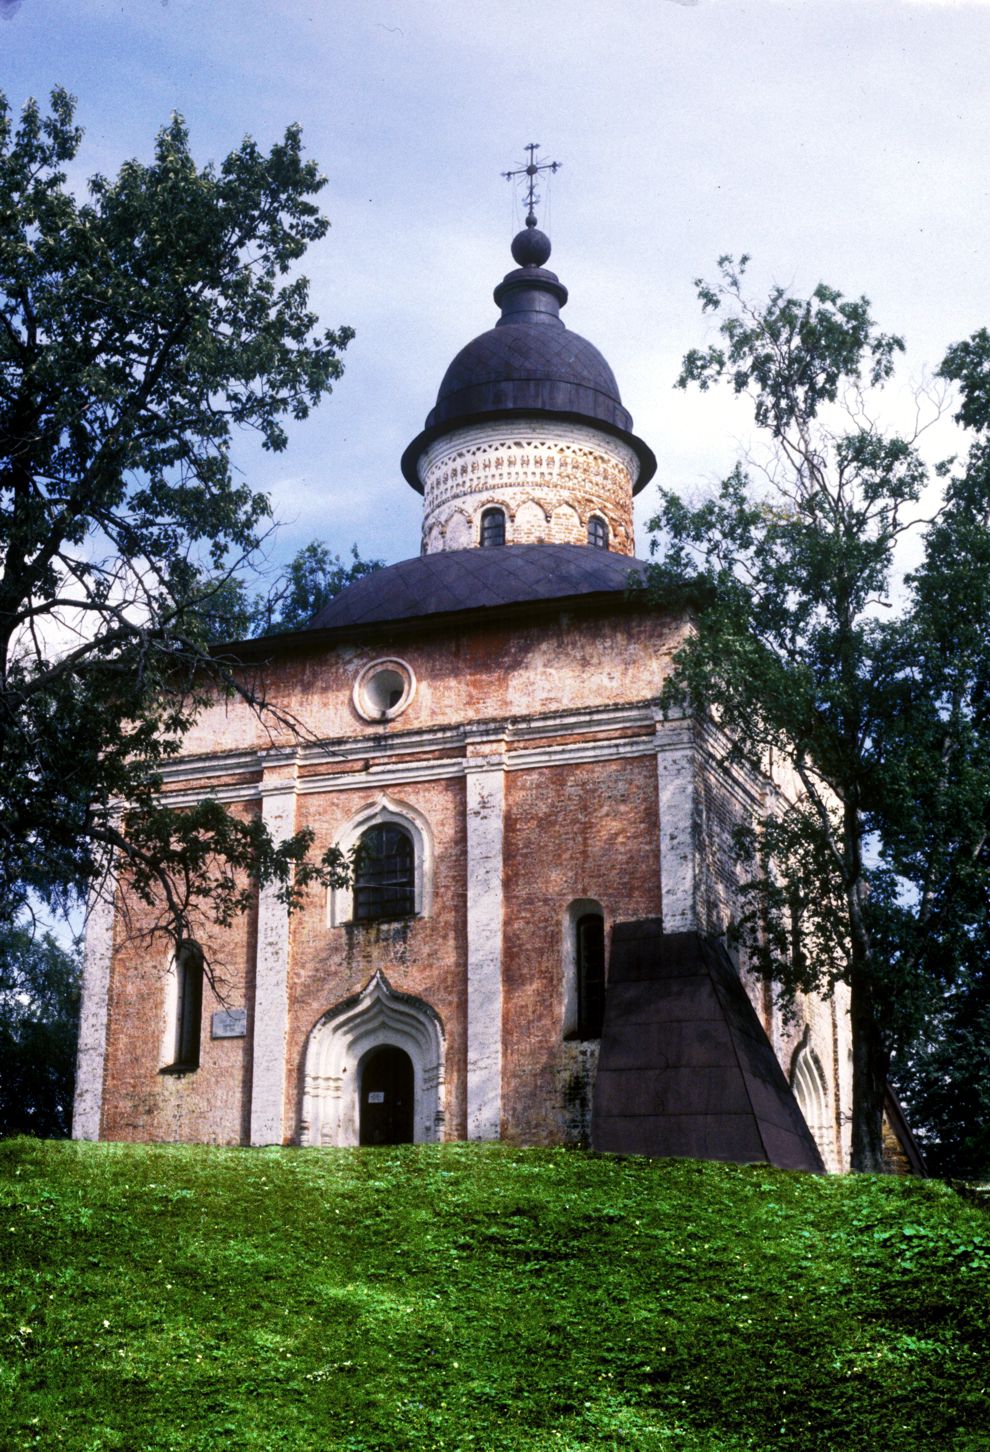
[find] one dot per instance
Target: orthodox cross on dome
(532, 170)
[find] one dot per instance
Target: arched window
(184, 1011)
(589, 957)
(597, 532)
(808, 1083)
(493, 527)
(385, 811)
(387, 1092)
(384, 874)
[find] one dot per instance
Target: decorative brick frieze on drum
(549, 478)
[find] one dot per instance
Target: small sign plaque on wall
(229, 1023)
(377, 1096)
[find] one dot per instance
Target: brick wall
(586, 831)
(562, 700)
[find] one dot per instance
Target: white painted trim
(170, 1016)
(341, 1040)
(556, 723)
(811, 1092)
(485, 807)
(271, 1007)
(399, 667)
(87, 1109)
(678, 791)
(394, 773)
(399, 743)
(228, 763)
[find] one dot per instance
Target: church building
(532, 947)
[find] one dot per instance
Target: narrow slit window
(188, 1008)
(590, 956)
(384, 874)
(597, 532)
(493, 527)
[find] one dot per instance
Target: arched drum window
(597, 532)
(384, 874)
(493, 527)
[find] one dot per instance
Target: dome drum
(550, 478)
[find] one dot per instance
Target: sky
(836, 140)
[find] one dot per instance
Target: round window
(383, 690)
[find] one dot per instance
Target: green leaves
(39, 1010)
(791, 355)
(870, 691)
(139, 330)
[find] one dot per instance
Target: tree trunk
(870, 1056)
(869, 1076)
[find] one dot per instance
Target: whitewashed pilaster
(271, 1000)
(485, 804)
(677, 781)
(93, 1014)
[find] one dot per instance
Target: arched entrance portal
(343, 1068)
(387, 1088)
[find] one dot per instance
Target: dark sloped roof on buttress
(685, 1067)
(477, 579)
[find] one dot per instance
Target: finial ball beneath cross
(531, 247)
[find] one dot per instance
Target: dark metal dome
(529, 363)
(521, 367)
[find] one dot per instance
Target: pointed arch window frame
(336, 1045)
(809, 1085)
(385, 809)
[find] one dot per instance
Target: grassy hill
(482, 1297)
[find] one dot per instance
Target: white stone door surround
(342, 1038)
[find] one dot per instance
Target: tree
(940, 834)
(39, 1014)
(311, 580)
(799, 652)
(139, 330)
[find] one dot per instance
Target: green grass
(473, 1297)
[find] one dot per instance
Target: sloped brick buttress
(685, 1067)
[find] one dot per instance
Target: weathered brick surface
(557, 661)
(424, 956)
(587, 831)
(545, 689)
(210, 1105)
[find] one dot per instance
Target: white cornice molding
(390, 754)
(394, 744)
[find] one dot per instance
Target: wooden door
(387, 1097)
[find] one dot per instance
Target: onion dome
(529, 364)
